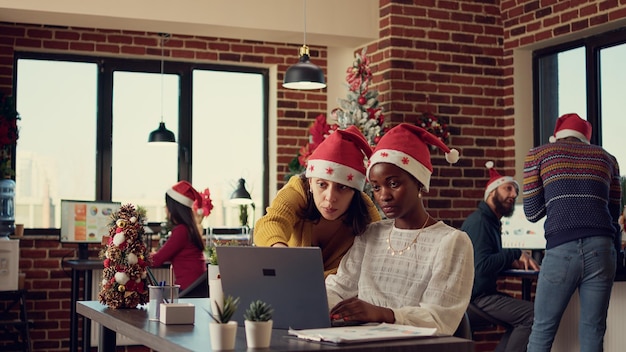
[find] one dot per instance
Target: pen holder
(158, 295)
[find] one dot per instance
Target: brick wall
(453, 58)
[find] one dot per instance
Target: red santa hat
(572, 125)
(495, 180)
(184, 193)
(408, 147)
(341, 158)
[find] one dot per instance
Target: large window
(585, 77)
(85, 125)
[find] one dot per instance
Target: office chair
(465, 329)
(198, 289)
(479, 320)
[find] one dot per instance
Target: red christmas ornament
(362, 100)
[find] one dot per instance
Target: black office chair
(479, 320)
(465, 329)
(198, 289)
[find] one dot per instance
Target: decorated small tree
(361, 106)
(124, 280)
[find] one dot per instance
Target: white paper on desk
(363, 333)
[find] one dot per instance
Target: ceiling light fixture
(162, 135)
(304, 75)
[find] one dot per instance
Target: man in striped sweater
(576, 185)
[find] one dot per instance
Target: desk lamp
(242, 198)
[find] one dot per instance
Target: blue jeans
(588, 265)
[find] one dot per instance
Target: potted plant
(223, 330)
(211, 257)
(258, 324)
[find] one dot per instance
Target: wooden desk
(527, 276)
(134, 323)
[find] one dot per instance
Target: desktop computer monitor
(518, 232)
(84, 222)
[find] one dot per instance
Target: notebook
(291, 279)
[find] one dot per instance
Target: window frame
(104, 114)
(593, 46)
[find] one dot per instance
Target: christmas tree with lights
(361, 106)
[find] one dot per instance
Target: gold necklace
(407, 248)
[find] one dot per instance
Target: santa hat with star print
(495, 180)
(184, 193)
(408, 147)
(572, 125)
(340, 158)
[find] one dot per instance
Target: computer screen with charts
(517, 232)
(85, 221)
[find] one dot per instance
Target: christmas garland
(431, 123)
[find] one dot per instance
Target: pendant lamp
(304, 75)
(162, 135)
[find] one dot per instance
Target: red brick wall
(454, 58)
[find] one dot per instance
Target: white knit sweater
(427, 286)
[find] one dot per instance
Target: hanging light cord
(162, 65)
(304, 23)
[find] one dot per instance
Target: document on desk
(363, 333)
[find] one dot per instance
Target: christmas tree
(124, 279)
(361, 107)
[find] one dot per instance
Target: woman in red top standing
(184, 248)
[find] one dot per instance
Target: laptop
(291, 279)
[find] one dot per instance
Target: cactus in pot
(258, 324)
(258, 311)
(224, 314)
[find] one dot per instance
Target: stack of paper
(363, 333)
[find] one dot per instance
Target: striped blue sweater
(577, 186)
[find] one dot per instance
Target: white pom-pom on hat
(489, 164)
(453, 156)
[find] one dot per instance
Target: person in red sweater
(184, 248)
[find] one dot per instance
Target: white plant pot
(223, 335)
(258, 333)
(213, 272)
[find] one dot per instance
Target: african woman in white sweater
(410, 269)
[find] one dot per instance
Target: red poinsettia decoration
(205, 208)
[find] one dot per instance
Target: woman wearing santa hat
(410, 269)
(326, 206)
(184, 248)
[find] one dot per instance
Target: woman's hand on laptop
(354, 309)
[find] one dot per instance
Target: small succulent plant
(258, 311)
(224, 314)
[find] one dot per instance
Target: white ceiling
(333, 23)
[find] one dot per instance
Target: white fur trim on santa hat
(188, 202)
(498, 182)
(335, 172)
(403, 161)
(568, 133)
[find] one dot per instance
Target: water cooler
(9, 249)
(7, 207)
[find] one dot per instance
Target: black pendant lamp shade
(162, 134)
(304, 75)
